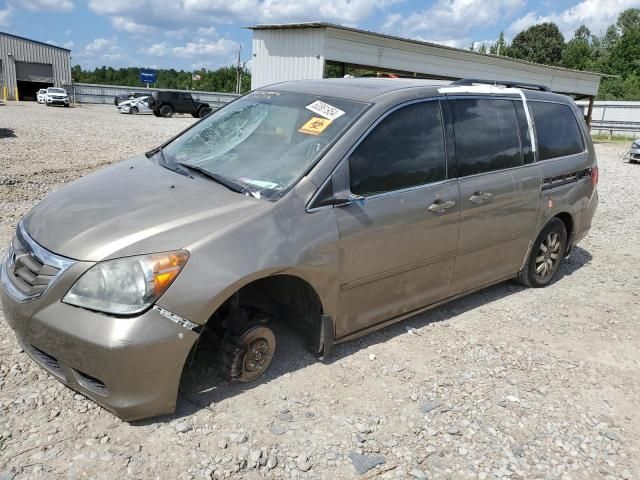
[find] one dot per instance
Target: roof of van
(365, 89)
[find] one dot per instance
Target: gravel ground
(505, 383)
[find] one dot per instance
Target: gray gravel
(505, 383)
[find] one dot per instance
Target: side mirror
(345, 198)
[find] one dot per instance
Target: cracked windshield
(264, 142)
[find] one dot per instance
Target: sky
(195, 34)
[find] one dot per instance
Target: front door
(398, 241)
(499, 190)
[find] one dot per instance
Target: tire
(166, 111)
(247, 357)
(541, 266)
(156, 113)
(133, 110)
(203, 112)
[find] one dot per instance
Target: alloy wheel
(549, 255)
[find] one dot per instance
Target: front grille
(28, 268)
(28, 274)
(47, 361)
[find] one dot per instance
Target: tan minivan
(337, 206)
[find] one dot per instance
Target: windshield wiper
(221, 179)
(162, 161)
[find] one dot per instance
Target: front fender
(282, 239)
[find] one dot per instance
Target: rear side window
(404, 150)
(487, 135)
(557, 129)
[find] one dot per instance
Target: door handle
(439, 206)
(480, 197)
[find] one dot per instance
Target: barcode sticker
(324, 109)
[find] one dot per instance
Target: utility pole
(238, 76)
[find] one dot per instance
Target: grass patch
(603, 138)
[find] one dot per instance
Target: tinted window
(403, 150)
(487, 135)
(557, 129)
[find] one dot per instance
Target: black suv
(165, 104)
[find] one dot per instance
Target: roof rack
(506, 83)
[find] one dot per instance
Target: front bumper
(58, 101)
(130, 366)
(632, 155)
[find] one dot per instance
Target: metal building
(304, 50)
(28, 65)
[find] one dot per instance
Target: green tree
(500, 47)
(628, 20)
(579, 52)
(624, 58)
(542, 43)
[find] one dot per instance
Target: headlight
(126, 286)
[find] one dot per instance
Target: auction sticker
(324, 109)
(315, 126)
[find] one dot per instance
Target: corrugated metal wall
(90, 93)
(23, 50)
(280, 55)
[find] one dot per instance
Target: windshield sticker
(324, 109)
(315, 126)
(263, 93)
(258, 183)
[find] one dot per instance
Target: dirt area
(505, 383)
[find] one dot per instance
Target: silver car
(335, 206)
(135, 106)
(633, 155)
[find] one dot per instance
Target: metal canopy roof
(300, 50)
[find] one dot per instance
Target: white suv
(56, 96)
(41, 94)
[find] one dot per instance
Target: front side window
(487, 135)
(557, 130)
(264, 141)
(404, 150)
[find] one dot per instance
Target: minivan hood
(132, 208)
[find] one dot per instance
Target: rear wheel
(166, 111)
(247, 356)
(545, 256)
(204, 111)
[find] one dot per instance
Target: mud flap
(327, 336)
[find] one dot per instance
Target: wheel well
(283, 298)
(567, 219)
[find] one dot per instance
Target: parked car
(135, 106)
(128, 96)
(56, 96)
(337, 206)
(40, 97)
(633, 155)
(165, 104)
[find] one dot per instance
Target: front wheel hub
(259, 345)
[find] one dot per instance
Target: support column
(589, 112)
